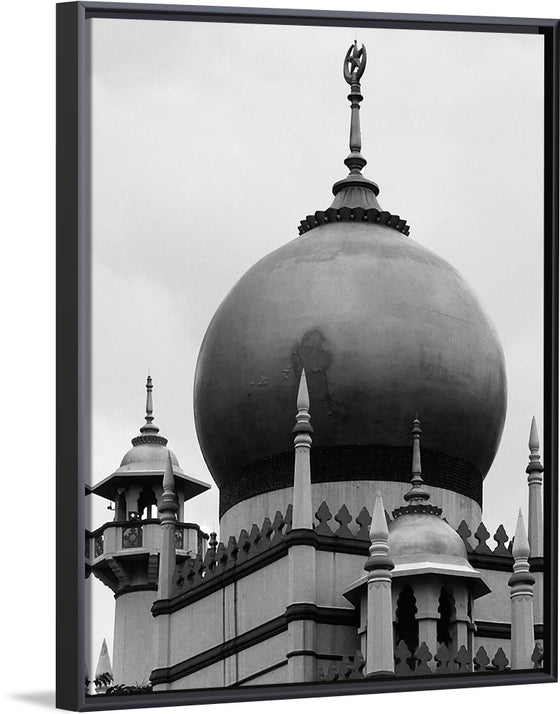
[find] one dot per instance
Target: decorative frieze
(357, 215)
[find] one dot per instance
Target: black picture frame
(73, 363)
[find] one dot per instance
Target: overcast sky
(210, 142)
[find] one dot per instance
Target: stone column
(460, 630)
(427, 592)
(521, 595)
(379, 639)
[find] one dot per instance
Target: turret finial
(417, 492)
(149, 401)
(355, 191)
(149, 427)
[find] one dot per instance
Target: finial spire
(355, 191)
(417, 492)
(149, 432)
(149, 401)
(149, 427)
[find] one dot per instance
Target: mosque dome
(147, 457)
(417, 536)
(384, 328)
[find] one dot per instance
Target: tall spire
(417, 492)
(149, 432)
(534, 480)
(355, 190)
(302, 514)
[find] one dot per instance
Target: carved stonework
(132, 537)
(179, 539)
(98, 549)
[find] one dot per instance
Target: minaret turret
(135, 553)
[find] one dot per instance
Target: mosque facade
(350, 396)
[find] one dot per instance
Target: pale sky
(210, 142)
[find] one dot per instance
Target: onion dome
(382, 326)
(146, 461)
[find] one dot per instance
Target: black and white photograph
(316, 426)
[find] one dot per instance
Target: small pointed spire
(104, 662)
(303, 393)
(168, 507)
(379, 539)
(378, 529)
(303, 417)
(534, 447)
(534, 437)
(355, 190)
(520, 549)
(417, 492)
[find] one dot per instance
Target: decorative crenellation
(223, 558)
(349, 667)
(422, 662)
(357, 214)
(481, 535)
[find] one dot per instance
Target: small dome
(147, 457)
(424, 536)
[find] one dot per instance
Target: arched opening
(446, 609)
(146, 502)
(406, 625)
